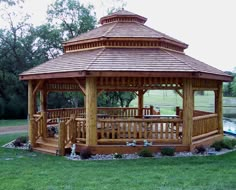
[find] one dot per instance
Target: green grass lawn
(27, 170)
(16, 122)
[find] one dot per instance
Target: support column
(91, 111)
(140, 103)
(187, 111)
(43, 108)
(218, 107)
(31, 108)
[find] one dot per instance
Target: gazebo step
(47, 145)
(45, 150)
(48, 140)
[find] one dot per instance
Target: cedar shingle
(121, 59)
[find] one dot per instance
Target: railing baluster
(177, 130)
(135, 125)
(172, 130)
(140, 130)
(145, 129)
(113, 130)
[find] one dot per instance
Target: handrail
(177, 120)
(38, 126)
(204, 116)
(205, 125)
(125, 130)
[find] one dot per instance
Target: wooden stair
(47, 146)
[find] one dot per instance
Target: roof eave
(181, 74)
(224, 78)
(52, 75)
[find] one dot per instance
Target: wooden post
(61, 139)
(31, 108)
(187, 111)
(177, 111)
(140, 103)
(73, 128)
(151, 110)
(91, 111)
(43, 108)
(218, 107)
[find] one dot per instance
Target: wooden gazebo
(123, 55)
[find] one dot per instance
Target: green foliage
(225, 143)
(233, 86)
(200, 149)
(20, 141)
(145, 153)
(167, 151)
(31, 170)
(113, 99)
(117, 156)
(217, 145)
(71, 17)
(229, 88)
(23, 46)
(76, 99)
(233, 141)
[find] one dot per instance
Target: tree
(16, 55)
(229, 88)
(71, 17)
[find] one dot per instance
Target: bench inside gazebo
(123, 55)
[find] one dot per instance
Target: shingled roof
(123, 44)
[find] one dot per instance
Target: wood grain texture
(31, 108)
(91, 111)
(187, 112)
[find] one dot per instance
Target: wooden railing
(63, 114)
(124, 130)
(67, 134)
(81, 130)
(195, 113)
(53, 115)
(37, 126)
(205, 125)
(117, 112)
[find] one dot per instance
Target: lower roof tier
(123, 60)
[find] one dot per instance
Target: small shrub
(227, 143)
(233, 142)
(217, 145)
(85, 153)
(24, 139)
(168, 151)
(200, 149)
(117, 156)
(20, 141)
(145, 153)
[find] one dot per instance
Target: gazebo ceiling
(123, 44)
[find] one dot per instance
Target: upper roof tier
(123, 16)
(120, 47)
(120, 29)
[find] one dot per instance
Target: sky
(207, 26)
